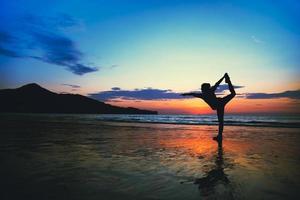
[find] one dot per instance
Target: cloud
(61, 51)
(137, 94)
(71, 85)
(115, 88)
(144, 94)
(41, 39)
(224, 87)
(295, 94)
(7, 52)
(117, 94)
(5, 41)
(256, 40)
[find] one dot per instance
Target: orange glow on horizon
(197, 106)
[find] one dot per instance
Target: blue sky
(165, 45)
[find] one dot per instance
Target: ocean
(262, 120)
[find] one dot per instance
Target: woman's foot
(227, 79)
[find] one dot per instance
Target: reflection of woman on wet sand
(216, 176)
(209, 96)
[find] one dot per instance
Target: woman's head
(205, 87)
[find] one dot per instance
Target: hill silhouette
(32, 98)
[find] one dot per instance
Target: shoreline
(280, 125)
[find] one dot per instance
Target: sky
(145, 53)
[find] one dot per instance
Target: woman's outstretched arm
(199, 95)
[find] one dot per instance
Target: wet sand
(63, 159)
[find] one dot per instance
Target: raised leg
(230, 86)
(232, 94)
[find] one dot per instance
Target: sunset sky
(144, 53)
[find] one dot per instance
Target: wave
(238, 120)
(286, 121)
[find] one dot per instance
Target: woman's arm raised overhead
(217, 84)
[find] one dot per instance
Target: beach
(63, 157)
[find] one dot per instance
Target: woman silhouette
(216, 103)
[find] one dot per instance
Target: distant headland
(32, 98)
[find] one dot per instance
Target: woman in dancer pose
(216, 103)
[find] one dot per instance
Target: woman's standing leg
(220, 113)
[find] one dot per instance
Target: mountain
(32, 98)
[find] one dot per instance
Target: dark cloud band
(160, 94)
(295, 94)
(137, 94)
(145, 94)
